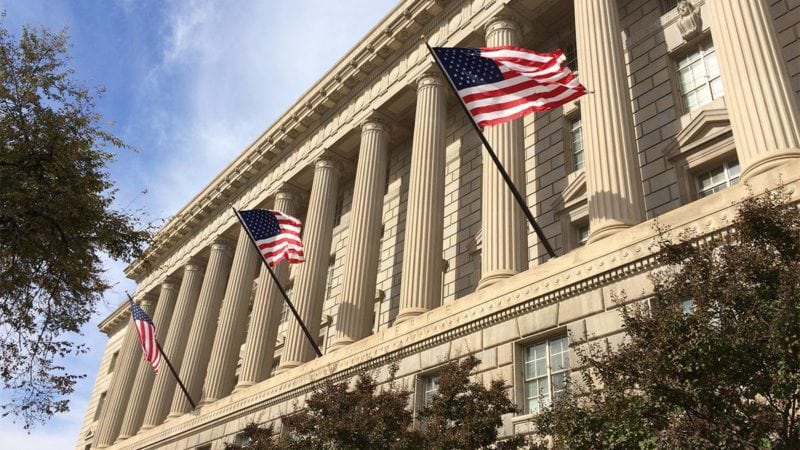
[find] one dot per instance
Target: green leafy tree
(56, 219)
(713, 361)
(464, 415)
(254, 437)
(336, 417)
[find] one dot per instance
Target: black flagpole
(172, 369)
(280, 286)
(517, 195)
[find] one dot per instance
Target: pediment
(709, 127)
(574, 193)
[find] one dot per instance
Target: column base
(604, 231)
(206, 401)
(340, 343)
(286, 366)
(146, 427)
(243, 385)
(174, 415)
(408, 314)
(773, 160)
(493, 277)
(121, 438)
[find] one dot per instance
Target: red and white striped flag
(146, 332)
(499, 84)
(276, 234)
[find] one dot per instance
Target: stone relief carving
(690, 23)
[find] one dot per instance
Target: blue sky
(189, 83)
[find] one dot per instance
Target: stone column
(204, 326)
(121, 386)
(232, 321)
(267, 305)
(503, 223)
(174, 344)
(309, 283)
(761, 104)
(421, 286)
(142, 387)
(613, 179)
(354, 319)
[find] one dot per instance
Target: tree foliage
(464, 414)
(713, 361)
(56, 219)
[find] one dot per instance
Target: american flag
(503, 83)
(277, 235)
(147, 335)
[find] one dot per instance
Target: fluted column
(174, 344)
(204, 326)
(613, 179)
(142, 387)
(421, 285)
(232, 321)
(309, 283)
(267, 305)
(762, 105)
(503, 223)
(354, 319)
(122, 382)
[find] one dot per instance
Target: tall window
(545, 372)
(698, 75)
(429, 386)
(581, 234)
(576, 143)
(113, 362)
(99, 409)
(718, 178)
(668, 5)
(571, 54)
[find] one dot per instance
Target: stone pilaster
(175, 344)
(142, 386)
(354, 320)
(613, 179)
(761, 104)
(232, 321)
(267, 305)
(421, 287)
(309, 283)
(121, 386)
(204, 326)
(503, 223)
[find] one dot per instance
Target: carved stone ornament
(690, 23)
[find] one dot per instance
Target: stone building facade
(416, 253)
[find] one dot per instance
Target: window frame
(703, 47)
(520, 384)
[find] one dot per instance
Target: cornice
(385, 39)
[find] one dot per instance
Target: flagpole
(172, 369)
(280, 286)
(517, 195)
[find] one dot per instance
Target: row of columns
(211, 304)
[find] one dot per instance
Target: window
(668, 5)
(429, 386)
(545, 372)
(113, 362)
(329, 278)
(204, 447)
(337, 215)
(698, 75)
(275, 364)
(571, 54)
(576, 144)
(687, 306)
(100, 402)
(718, 178)
(581, 234)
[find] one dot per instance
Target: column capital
(195, 263)
(331, 161)
(148, 299)
(500, 22)
(222, 243)
(430, 77)
(376, 121)
(171, 281)
(290, 192)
